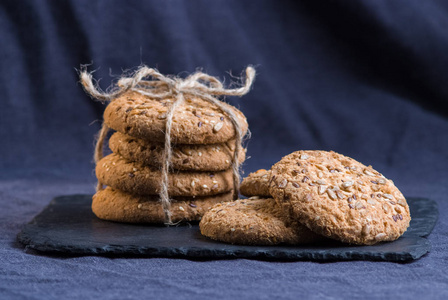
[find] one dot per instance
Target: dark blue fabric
(364, 78)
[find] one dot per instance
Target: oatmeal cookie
(256, 184)
(254, 222)
(194, 122)
(213, 157)
(114, 205)
(114, 171)
(339, 197)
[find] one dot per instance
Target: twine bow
(198, 84)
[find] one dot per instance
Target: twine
(198, 84)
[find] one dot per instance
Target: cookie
(254, 222)
(256, 184)
(194, 122)
(339, 197)
(214, 157)
(113, 170)
(114, 205)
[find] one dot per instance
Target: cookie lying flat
(340, 198)
(194, 122)
(256, 184)
(214, 157)
(254, 222)
(114, 205)
(134, 178)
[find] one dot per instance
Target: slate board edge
(48, 247)
(204, 254)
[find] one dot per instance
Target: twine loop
(198, 84)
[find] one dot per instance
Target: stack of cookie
(203, 148)
(309, 196)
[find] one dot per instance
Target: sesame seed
(204, 186)
(193, 183)
(131, 175)
(232, 229)
(181, 208)
(295, 184)
(304, 156)
(140, 205)
(199, 124)
(193, 205)
(200, 153)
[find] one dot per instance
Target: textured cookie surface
(213, 157)
(114, 205)
(256, 184)
(134, 178)
(338, 197)
(254, 222)
(194, 122)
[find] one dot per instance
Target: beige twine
(198, 85)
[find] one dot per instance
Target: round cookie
(256, 184)
(194, 122)
(338, 197)
(114, 205)
(214, 157)
(134, 178)
(254, 222)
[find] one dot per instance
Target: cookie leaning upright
(338, 197)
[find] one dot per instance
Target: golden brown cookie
(338, 197)
(114, 205)
(194, 122)
(254, 222)
(134, 178)
(214, 157)
(256, 184)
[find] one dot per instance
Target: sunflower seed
(366, 229)
(385, 208)
(380, 236)
(381, 181)
(340, 195)
(359, 205)
(370, 201)
(321, 182)
(347, 184)
(368, 173)
(283, 184)
(217, 127)
(402, 202)
(397, 209)
(331, 194)
(388, 196)
(321, 189)
(304, 156)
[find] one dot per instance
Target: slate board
(68, 226)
